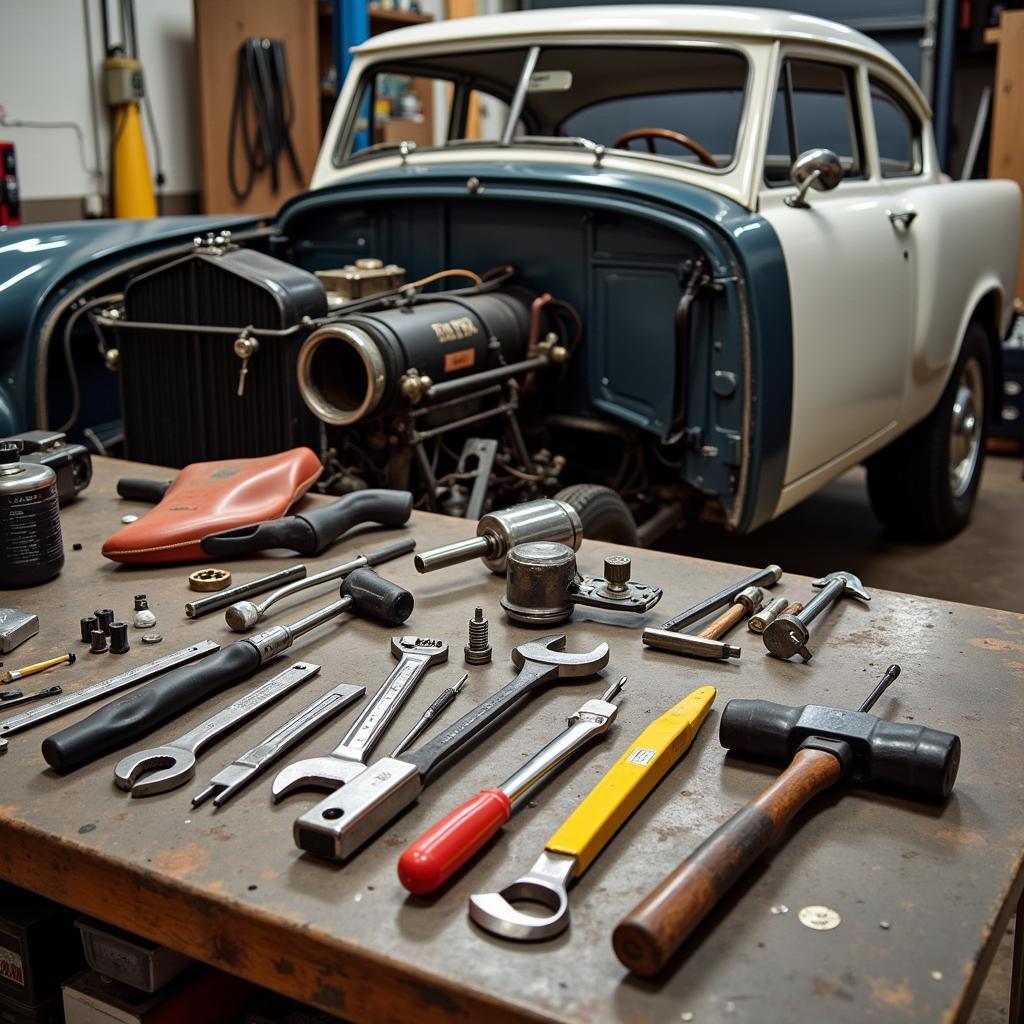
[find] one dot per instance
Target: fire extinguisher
(10, 198)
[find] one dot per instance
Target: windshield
(680, 103)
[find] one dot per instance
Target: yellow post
(133, 194)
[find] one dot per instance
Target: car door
(848, 279)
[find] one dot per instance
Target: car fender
(965, 240)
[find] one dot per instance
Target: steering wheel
(650, 134)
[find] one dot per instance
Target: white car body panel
(878, 309)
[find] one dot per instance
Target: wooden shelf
(383, 20)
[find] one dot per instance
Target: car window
(687, 102)
(432, 101)
(898, 133)
(676, 94)
(814, 108)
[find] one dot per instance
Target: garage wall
(44, 76)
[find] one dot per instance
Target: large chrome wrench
(174, 763)
(348, 759)
(337, 826)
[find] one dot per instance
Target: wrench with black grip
(115, 724)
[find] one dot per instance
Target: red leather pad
(207, 497)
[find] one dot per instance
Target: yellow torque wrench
(582, 836)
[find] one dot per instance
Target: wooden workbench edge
(316, 968)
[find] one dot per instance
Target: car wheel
(603, 513)
(924, 484)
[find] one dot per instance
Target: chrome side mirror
(814, 168)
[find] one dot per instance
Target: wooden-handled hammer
(822, 746)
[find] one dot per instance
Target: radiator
(179, 388)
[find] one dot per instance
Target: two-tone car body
(773, 279)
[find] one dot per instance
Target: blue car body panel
(743, 249)
(40, 265)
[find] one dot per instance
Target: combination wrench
(174, 763)
(415, 655)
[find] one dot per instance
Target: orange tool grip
(433, 858)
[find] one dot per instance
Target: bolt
(617, 570)
(478, 650)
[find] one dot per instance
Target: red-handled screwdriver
(433, 858)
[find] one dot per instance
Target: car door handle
(902, 218)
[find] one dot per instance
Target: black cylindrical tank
(31, 548)
(351, 369)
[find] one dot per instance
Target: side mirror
(814, 168)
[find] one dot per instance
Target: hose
(263, 85)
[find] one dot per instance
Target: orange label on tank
(461, 360)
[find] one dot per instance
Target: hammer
(708, 643)
(822, 745)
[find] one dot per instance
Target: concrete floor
(835, 529)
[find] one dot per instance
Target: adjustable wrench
(582, 836)
(433, 858)
(342, 822)
(174, 763)
(348, 759)
(228, 781)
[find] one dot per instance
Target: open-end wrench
(788, 634)
(228, 781)
(174, 763)
(433, 858)
(348, 759)
(582, 836)
(337, 826)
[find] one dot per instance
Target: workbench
(924, 893)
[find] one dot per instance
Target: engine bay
(387, 339)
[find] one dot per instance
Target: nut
(209, 579)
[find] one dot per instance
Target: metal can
(31, 548)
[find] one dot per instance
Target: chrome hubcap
(965, 429)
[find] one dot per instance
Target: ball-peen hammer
(823, 745)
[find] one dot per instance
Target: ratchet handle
(135, 714)
(625, 785)
(433, 858)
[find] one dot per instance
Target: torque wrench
(69, 701)
(433, 858)
(173, 764)
(228, 781)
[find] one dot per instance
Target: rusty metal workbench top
(230, 888)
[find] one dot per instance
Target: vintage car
(663, 261)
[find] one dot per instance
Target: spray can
(31, 548)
